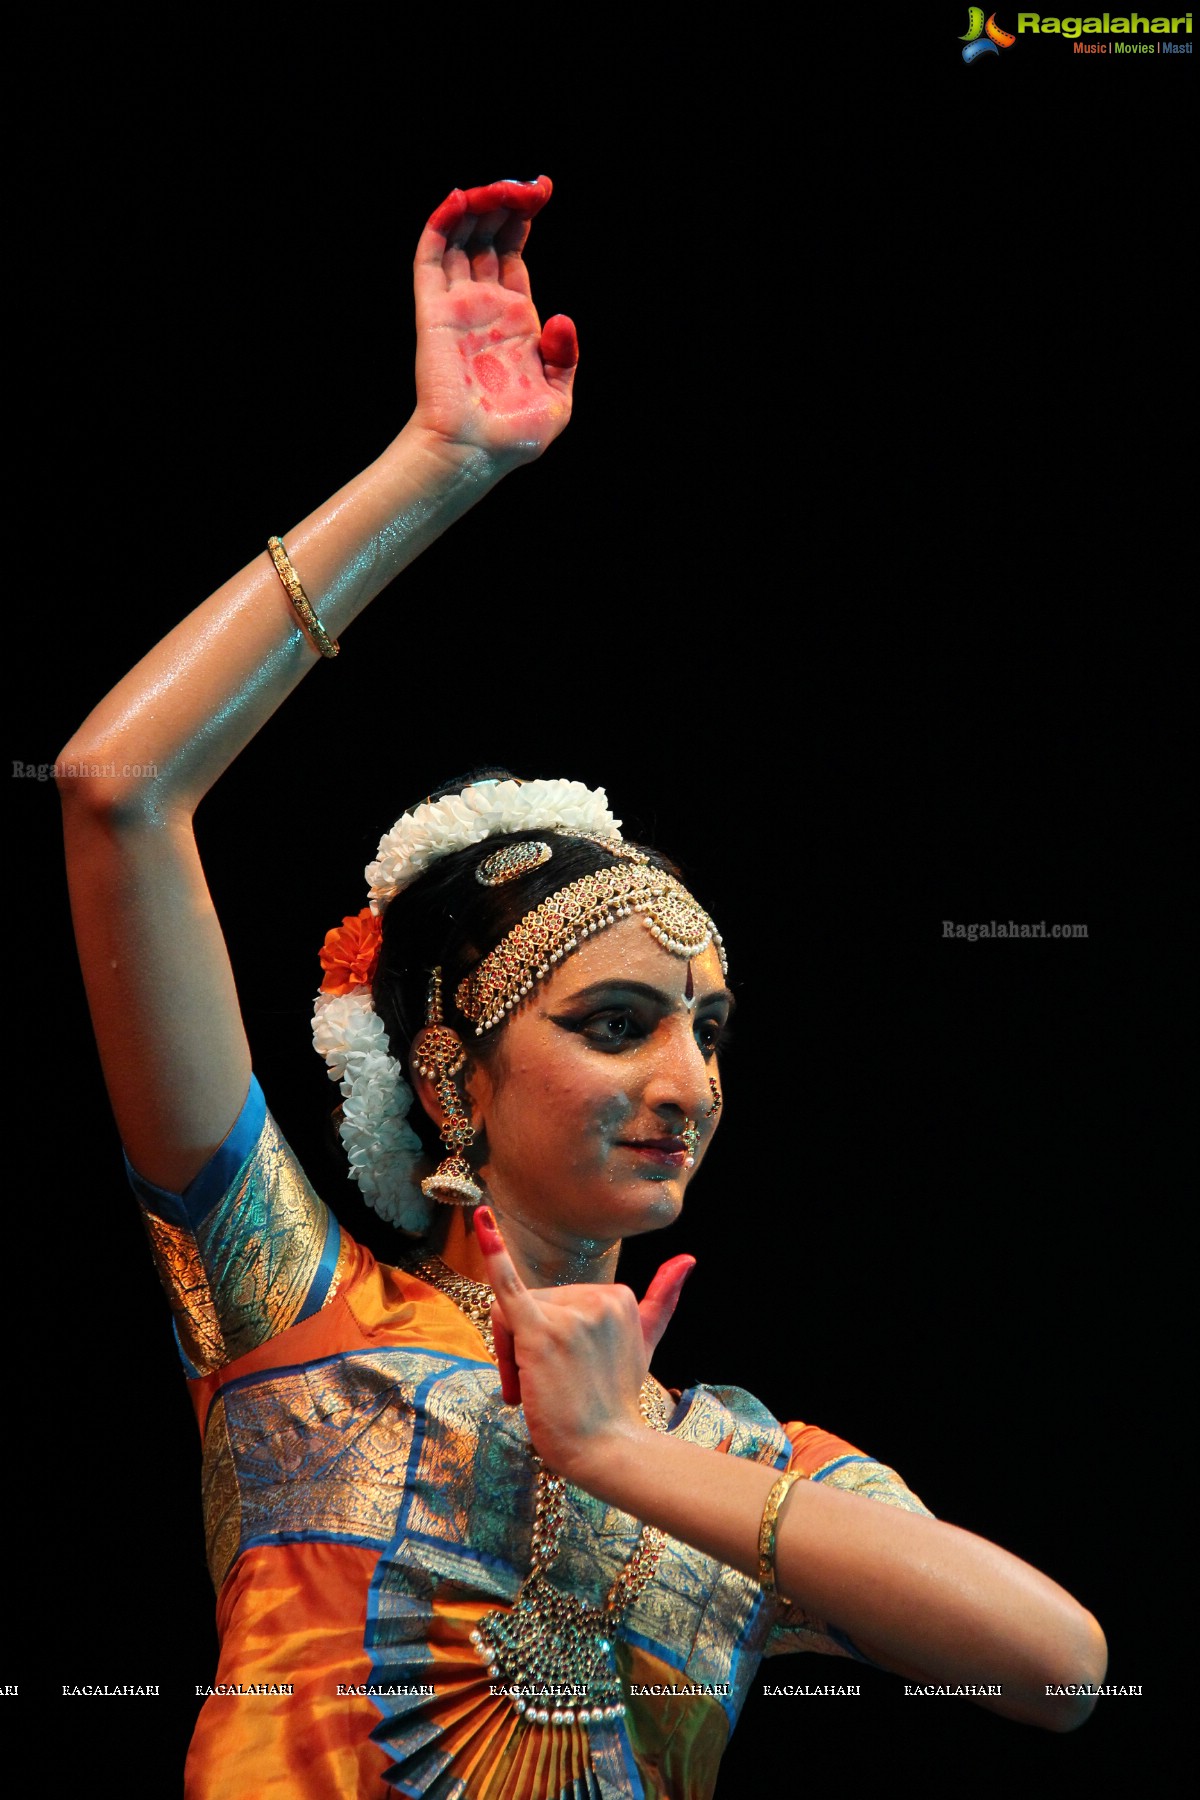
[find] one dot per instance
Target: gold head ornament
(566, 919)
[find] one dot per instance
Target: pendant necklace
(548, 1639)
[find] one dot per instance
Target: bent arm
(159, 984)
(158, 979)
(915, 1595)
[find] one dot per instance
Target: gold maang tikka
(568, 918)
(438, 1054)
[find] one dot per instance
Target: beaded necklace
(549, 1639)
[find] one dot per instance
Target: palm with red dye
(489, 375)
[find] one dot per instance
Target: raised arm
(493, 390)
(917, 1596)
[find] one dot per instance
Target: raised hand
(490, 376)
(575, 1356)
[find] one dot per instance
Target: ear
(426, 1092)
(478, 1089)
(474, 1083)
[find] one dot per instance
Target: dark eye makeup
(618, 1026)
(613, 1027)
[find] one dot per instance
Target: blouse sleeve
(831, 1460)
(247, 1249)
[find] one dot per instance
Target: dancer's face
(592, 1083)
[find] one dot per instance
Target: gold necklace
(549, 1644)
(471, 1297)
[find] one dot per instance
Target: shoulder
(728, 1418)
(248, 1248)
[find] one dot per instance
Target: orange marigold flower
(351, 952)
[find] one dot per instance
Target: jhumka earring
(438, 1054)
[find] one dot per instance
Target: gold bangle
(312, 627)
(766, 1534)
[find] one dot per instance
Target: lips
(669, 1150)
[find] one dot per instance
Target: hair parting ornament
(383, 1150)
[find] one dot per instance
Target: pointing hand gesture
(575, 1356)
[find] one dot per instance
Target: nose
(678, 1085)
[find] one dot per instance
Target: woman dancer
(407, 1599)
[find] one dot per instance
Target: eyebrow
(645, 991)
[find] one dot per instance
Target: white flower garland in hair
(383, 1149)
(486, 809)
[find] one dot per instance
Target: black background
(855, 582)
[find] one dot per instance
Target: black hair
(447, 919)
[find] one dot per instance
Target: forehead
(627, 951)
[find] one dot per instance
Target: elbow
(93, 783)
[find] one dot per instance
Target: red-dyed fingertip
(449, 212)
(522, 197)
(510, 1386)
(485, 1230)
(677, 1271)
(526, 197)
(559, 344)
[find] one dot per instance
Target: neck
(538, 1261)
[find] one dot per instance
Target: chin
(653, 1210)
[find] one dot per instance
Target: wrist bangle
(312, 627)
(766, 1535)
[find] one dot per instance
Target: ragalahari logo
(974, 42)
